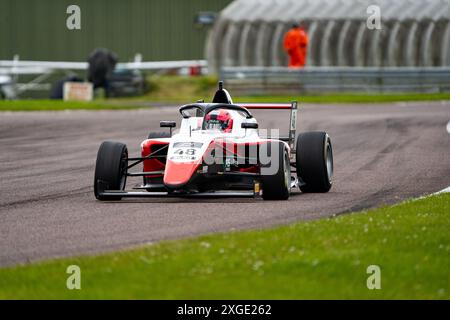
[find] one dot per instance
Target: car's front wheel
(276, 174)
(110, 169)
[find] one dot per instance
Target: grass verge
(58, 105)
(323, 259)
(178, 89)
(181, 90)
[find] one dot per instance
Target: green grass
(182, 90)
(58, 105)
(326, 258)
(178, 89)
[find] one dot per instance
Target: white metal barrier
(273, 80)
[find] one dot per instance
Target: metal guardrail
(42, 70)
(282, 80)
(16, 65)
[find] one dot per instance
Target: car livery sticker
(186, 151)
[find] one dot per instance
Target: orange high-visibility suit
(296, 44)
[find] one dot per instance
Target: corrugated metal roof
(285, 10)
(413, 33)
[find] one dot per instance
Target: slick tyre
(276, 175)
(110, 170)
(314, 162)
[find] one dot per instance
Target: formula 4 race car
(218, 152)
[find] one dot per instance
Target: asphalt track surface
(383, 154)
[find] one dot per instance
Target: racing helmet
(219, 119)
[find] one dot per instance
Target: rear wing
(279, 106)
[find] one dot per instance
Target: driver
(219, 119)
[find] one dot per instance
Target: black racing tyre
(157, 135)
(314, 162)
(276, 175)
(110, 169)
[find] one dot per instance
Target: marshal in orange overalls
(296, 44)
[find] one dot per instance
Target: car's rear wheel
(110, 169)
(314, 162)
(276, 175)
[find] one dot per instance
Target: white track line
(446, 190)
